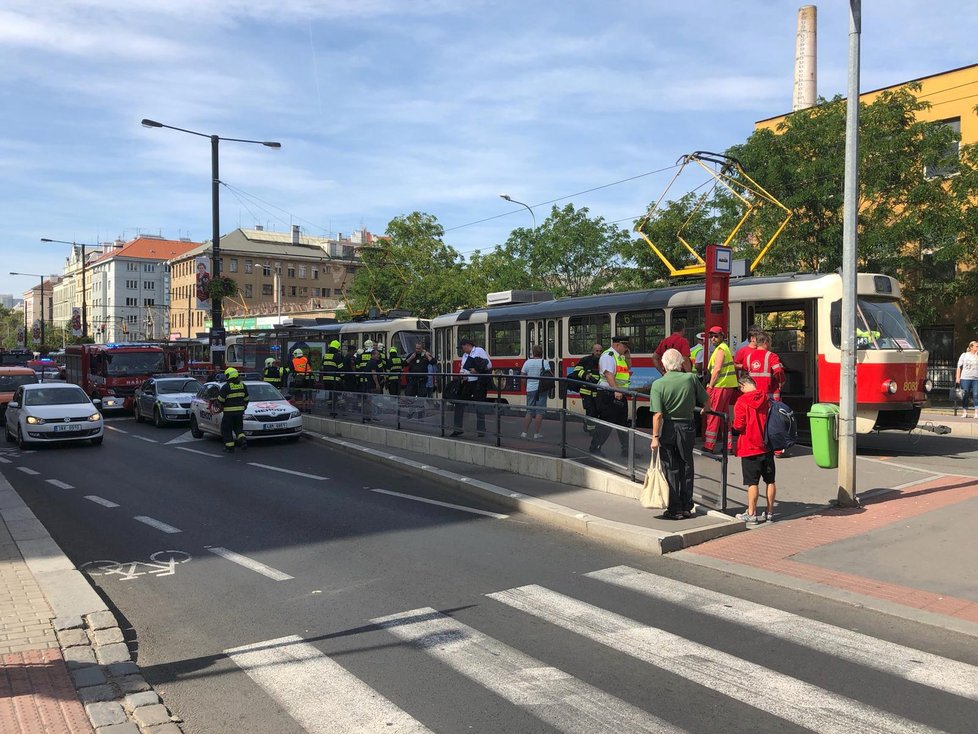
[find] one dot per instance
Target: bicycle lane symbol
(161, 563)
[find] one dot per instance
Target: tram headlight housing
(889, 387)
(928, 385)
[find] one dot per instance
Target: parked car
(10, 379)
(268, 415)
(54, 411)
(47, 370)
(164, 399)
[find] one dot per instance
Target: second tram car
(802, 311)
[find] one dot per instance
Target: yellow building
(952, 96)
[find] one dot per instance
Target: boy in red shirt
(757, 461)
(743, 351)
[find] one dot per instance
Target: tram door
(791, 325)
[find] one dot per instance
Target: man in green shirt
(673, 398)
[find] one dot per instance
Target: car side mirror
(97, 402)
(13, 404)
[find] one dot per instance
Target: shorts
(536, 400)
(757, 467)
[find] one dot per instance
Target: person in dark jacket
(350, 380)
(332, 363)
(273, 373)
(394, 364)
(586, 372)
(233, 399)
(417, 364)
(757, 461)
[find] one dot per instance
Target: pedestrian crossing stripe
(550, 694)
(791, 699)
(908, 663)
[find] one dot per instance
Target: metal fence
(560, 432)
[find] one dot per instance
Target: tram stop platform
(585, 496)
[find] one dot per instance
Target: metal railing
(568, 434)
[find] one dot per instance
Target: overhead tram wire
(258, 200)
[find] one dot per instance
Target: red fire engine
(112, 372)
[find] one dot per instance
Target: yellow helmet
(231, 373)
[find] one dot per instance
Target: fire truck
(112, 372)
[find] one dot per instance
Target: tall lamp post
(84, 263)
(217, 315)
(42, 277)
(507, 197)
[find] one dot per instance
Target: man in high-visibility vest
(273, 374)
(720, 388)
(697, 354)
(301, 367)
(615, 368)
(232, 400)
(394, 365)
(332, 362)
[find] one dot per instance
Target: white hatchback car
(268, 415)
(52, 411)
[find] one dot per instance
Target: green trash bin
(825, 438)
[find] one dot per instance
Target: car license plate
(67, 427)
(269, 427)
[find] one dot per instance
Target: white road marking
(27, 470)
(182, 438)
(913, 665)
(550, 694)
(100, 501)
(250, 564)
(113, 428)
(442, 504)
(316, 691)
(58, 483)
(157, 524)
(5, 461)
(147, 440)
(288, 471)
(791, 699)
(202, 453)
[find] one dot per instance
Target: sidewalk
(64, 664)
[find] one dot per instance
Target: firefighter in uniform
(586, 371)
(301, 378)
(363, 361)
(233, 399)
(394, 364)
(273, 374)
(332, 363)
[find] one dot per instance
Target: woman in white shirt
(536, 399)
(966, 378)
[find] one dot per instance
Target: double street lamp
(217, 316)
(42, 277)
(84, 263)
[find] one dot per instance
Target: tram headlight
(889, 387)
(928, 385)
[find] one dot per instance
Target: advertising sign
(36, 332)
(76, 322)
(21, 337)
(202, 269)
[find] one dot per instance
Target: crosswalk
(314, 688)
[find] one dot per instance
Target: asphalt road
(275, 591)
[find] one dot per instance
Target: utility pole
(847, 387)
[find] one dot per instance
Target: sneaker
(769, 516)
(537, 436)
(523, 435)
(750, 519)
(688, 514)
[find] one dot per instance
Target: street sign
(217, 337)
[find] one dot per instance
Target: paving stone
(131, 684)
(90, 694)
(90, 675)
(71, 622)
(169, 728)
(78, 657)
(115, 653)
(107, 636)
(105, 714)
(72, 637)
(127, 728)
(135, 700)
(101, 620)
(126, 668)
(151, 715)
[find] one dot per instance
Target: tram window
(695, 319)
(645, 329)
(477, 333)
(787, 329)
(881, 323)
(585, 331)
(405, 340)
(504, 339)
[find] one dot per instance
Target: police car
(164, 399)
(268, 415)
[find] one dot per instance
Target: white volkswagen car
(268, 415)
(52, 411)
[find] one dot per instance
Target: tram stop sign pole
(719, 261)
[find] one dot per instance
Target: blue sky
(384, 107)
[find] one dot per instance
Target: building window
(132, 301)
(149, 267)
(132, 267)
(149, 302)
(315, 273)
(302, 271)
(326, 292)
(292, 291)
(266, 289)
(303, 291)
(132, 318)
(132, 284)
(948, 165)
(249, 266)
(233, 265)
(266, 270)
(149, 285)
(290, 268)
(249, 290)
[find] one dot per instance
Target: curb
(116, 697)
(597, 528)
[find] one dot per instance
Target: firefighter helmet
(231, 373)
(297, 353)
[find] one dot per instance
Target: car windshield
(9, 383)
(134, 363)
(881, 323)
(263, 391)
(56, 396)
(174, 386)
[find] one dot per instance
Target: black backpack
(781, 431)
(546, 382)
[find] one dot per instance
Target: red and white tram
(802, 311)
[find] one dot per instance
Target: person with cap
(363, 360)
(332, 362)
(417, 365)
(273, 374)
(721, 386)
(697, 354)
(393, 365)
(676, 340)
(232, 401)
(475, 369)
(586, 373)
(614, 366)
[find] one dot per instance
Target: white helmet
(269, 361)
(297, 353)
(369, 344)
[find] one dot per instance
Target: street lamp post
(217, 316)
(507, 197)
(42, 277)
(84, 263)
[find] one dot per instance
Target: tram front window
(881, 323)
